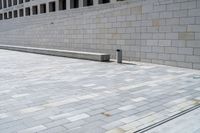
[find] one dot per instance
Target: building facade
(156, 31)
(19, 8)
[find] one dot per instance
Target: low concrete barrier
(64, 53)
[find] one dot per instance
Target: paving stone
(113, 125)
(78, 117)
(49, 94)
(31, 109)
(33, 129)
(55, 117)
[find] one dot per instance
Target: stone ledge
(64, 53)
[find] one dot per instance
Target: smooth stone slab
(102, 57)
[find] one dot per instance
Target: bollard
(119, 55)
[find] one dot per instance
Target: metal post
(119, 55)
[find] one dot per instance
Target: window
(10, 14)
(87, 2)
(1, 16)
(27, 0)
(14, 2)
(21, 12)
(103, 1)
(52, 6)
(5, 16)
(21, 1)
(1, 6)
(43, 8)
(15, 14)
(9, 3)
(74, 3)
(62, 4)
(5, 3)
(35, 10)
(28, 11)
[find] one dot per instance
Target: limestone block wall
(156, 31)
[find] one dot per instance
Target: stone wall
(157, 31)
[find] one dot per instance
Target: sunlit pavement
(40, 93)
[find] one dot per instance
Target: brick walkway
(41, 93)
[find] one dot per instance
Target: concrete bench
(64, 53)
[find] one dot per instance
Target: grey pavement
(48, 94)
(188, 123)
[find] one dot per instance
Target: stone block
(172, 21)
(147, 8)
(185, 51)
(64, 53)
(170, 63)
(146, 35)
(173, 6)
(166, 43)
(193, 59)
(164, 56)
(137, 10)
(186, 36)
(178, 28)
(165, 29)
(146, 49)
(194, 12)
(152, 55)
(159, 8)
(197, 51)
(193, 44)
(168, 14)
(158, 49)
(188, 5)
(152, 42)
(194, 28)
(171, 50)
(172, 36)
(156, 23)
(187, 20)
(159, 36)
(176, 57)
(197, 36)
(196, 66)
(185, 65)
(180, 13)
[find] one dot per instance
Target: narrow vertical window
(52, 6)
(43, 8)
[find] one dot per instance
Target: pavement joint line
(145, 129)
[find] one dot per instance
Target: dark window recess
(27, 0)
(43, 8)
(28, 11)
(1, 6)
(10, 14)
(1, 16)
(21, 12)
(74, 3)
(15, 14)
(62, 4)
(14, 2)
(9, 3)
(52, 6)
(103, 1)
(21, 1)
(5, 16)
(5, 3)
(35, 10)
(87, 2)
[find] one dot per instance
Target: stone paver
(188, 123)
(40, 93)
